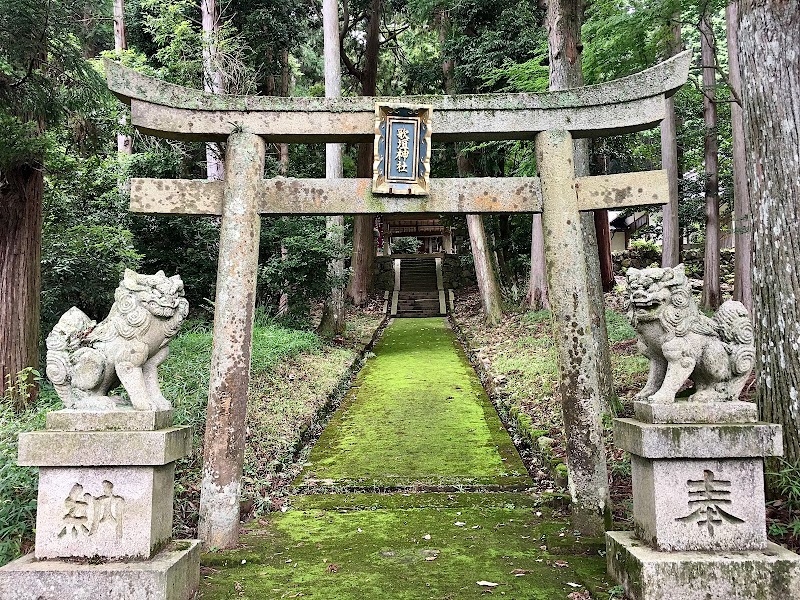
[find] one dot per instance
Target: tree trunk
(212, 78)
(711, 276)
(565, 18)
(20, 273)
(502, 231)
(671, 233)
(585, 451)
(537, 286)
(363, 260)
(769, 38)
(484, 271)
(333, 314)
(124, 143)
(742, 284)
(283, 300)
(603, 232)
(504, 224)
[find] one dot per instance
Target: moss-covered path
(418, 417)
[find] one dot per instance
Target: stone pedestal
(106, 486)
(698, 506)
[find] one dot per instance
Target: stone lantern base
(647, 574)
(698, 506)
(172, 574)
(104, 510)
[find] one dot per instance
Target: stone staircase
(418, 304)
(419, 293)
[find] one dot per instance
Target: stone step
(418, 313)
(418, 302)
(422, 294)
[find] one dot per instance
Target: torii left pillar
(223, 454)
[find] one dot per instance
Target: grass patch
(417, 414)
(619, 328)
(431, 551)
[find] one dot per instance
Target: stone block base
(111, 512)
(698, 505)
(771, 574)
(696, 412)
(173, 574)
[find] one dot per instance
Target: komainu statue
(681, 342)
(86, 360)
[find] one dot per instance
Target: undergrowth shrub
(784, 480)
(19, 485)
(184, 381)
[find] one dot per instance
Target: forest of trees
(66, 151)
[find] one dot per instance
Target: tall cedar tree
(671, 233)
(743, 272)
(333, 314)
(44, 77)
(363, 225)
(711, 274)
(769, 58)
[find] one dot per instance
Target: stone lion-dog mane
(681, 342)
(85, 360)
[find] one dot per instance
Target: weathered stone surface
(103, 448)
(629, 104)
(663, 79)
(354, 196)
(223, 454)
(112, 512)
(622, 189)
(86, 360)
(173, 574)
(696, 412)
(123, 419)
(736, 440)
(713, 504)
(646, 574)
(717, 353)
(568, 291)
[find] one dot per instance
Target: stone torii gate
(552, 119)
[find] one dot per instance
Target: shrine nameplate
(402, 158)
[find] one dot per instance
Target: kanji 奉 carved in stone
(681, 342)
(86, 360)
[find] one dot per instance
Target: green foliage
(302, 270)
(785, 480)
(18, 485)
(619, 328)
(184, 380)
(21, 141)
(20, 388)
(82, 266)
(406, 245)
(44, 76)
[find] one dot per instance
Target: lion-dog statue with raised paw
(86, 360)
(681, 342)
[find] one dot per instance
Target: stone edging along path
(526, 434)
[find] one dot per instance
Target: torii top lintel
(632, 103)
